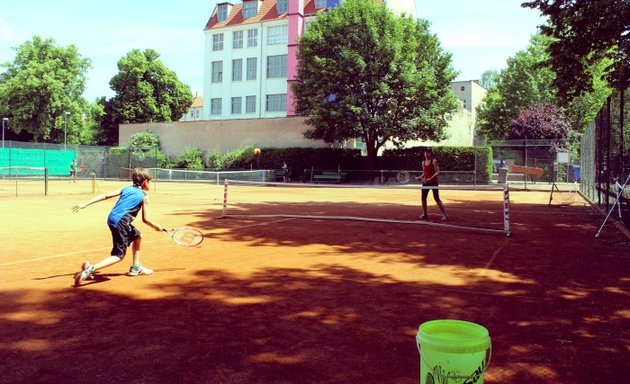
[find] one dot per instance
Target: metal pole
(4, 119)
(65, 128)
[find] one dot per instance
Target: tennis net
(19, 180)
(217, 177)
(481, 208)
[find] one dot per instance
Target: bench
(535, 172)
(336, 177)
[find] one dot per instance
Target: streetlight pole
(65, 128)
(4, 119)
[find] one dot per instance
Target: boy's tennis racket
(185, 236)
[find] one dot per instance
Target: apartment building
(250, 55)
(471, 93)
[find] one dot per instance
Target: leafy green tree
(585, 33)
(146, 91)
(489, 78)
(523, 83)
(366, 73)
(43, 83)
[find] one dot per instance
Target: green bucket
(453, 351)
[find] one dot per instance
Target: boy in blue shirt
(132, 199)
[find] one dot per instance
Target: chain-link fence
(605, 157)
(550, 158)
(103, 162)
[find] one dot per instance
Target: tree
(540, 121)
(146, 91)
(489, 78)
(523, 83)
(584, 33)
(365, 73)
(43, 83)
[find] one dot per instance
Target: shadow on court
(553, 299)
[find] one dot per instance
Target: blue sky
(481, 35)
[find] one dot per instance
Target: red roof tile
(266, 12)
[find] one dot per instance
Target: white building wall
(227, 89)
(402, 6)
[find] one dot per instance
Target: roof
(267, 12)
(197, 102)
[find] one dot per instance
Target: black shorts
(425, 192)
(123, 235)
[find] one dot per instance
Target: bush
(237, 159)
(190, 158)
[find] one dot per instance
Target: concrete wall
(226, 135)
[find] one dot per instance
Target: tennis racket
(185, 236)
(402, 177)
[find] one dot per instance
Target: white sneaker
(135, 271)
(87, 271)
(444, 218)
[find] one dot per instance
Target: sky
(481, 35)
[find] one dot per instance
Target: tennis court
(289, 300)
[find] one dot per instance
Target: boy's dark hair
(139, 175)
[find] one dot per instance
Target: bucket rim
(471, 338)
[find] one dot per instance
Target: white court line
(496, 253)
(106, 248)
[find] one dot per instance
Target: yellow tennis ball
(257, 151)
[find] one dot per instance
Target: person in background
(431, 171)
(73, 171)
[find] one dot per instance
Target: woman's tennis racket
(185, 236)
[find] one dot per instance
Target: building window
(278, 35)
(252, 37)
(217, 42)
(307, 22)
(250, 104)
(236, 105)
(251, 68)
(237, 69)
(276, 66)
(277, 103)
(197, 114)
(250, 9)
(215, 106)
(462, 88)
(320, 4)
(237, 39)
(217, 71)
(222, 14)
(282, 6)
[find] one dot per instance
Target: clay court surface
(279, 300)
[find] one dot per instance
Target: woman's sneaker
(87, 271)
(139, 270)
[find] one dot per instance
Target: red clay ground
(304, 301)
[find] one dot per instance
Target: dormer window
(250, 9)
(320, 4)
(282, 6)
(222, 13)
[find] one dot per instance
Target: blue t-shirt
(127, 206)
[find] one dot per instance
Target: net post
(506, 209)
(225, 195)
(45, 181)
